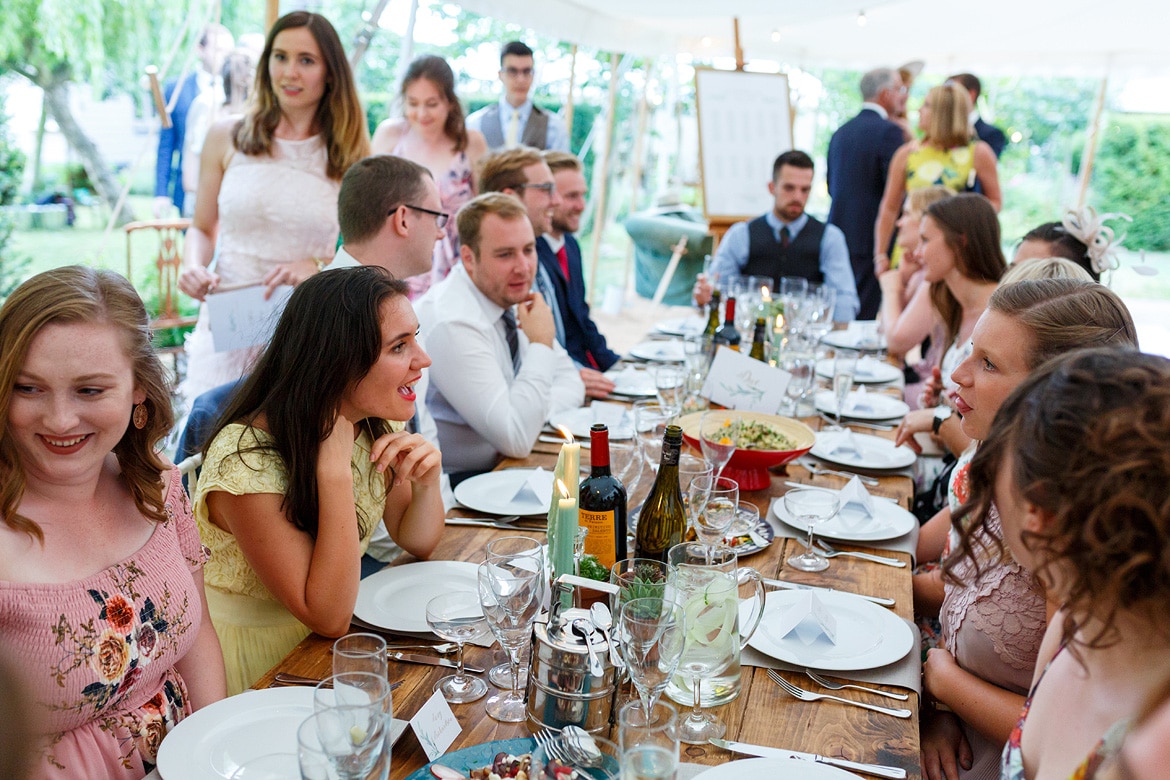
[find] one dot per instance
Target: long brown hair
(339, 114)
(76, 294)
(970, 229)
(436, 70)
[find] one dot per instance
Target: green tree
(12, 268)
(1131, 177)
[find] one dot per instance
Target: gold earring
(139, 416)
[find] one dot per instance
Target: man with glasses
(858, 161)
(514, 120)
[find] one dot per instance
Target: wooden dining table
(763, 713)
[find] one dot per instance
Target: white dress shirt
(482, 411)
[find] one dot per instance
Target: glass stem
(697, 713)
(812, 537)
(514, 661)
(459, 676)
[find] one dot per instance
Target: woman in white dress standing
(267, 200)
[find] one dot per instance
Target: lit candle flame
(565, 433)
(563, 488)
(765, 294)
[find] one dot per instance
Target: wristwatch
(941, 415)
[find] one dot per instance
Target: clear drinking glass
(718, 436)
(811, 506)
(511, 597)
(844, 367)
(820, 303)
(458, 617)
(720, 504)
(802, 366)
(637, 578)
(651, 632)
(650, 421)
(670, 382)
(352, 725)
(649, 742)
(274, 766)
(360, 652)
(508, 549)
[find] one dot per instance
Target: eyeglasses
(441, 217)
(548, 187)
(514, 72)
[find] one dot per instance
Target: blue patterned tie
(513, 338)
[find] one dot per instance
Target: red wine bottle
(603, 504)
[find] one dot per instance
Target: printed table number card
(435, 726)
(740, 382)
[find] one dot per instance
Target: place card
(242, 318)
(740, 382)
(808, 618)
(538, 487)
(435, 726)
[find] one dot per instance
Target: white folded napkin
(632, 380)
(854, 494)
(844, 443)
(607, 413)
(807, 618)
(859, 401)
(537, 487)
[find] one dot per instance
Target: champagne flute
(718, 437)
(511, 597)
(458, 617)
(844, 368)
(651, 633)
(811, 506)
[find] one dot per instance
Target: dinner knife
(892, 772)
(494, 524)
(430, 660)
(885, 602)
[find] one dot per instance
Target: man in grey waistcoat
(513, 120)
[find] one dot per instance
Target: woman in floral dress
(102, 608)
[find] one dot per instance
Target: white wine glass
(720, 496)
(651, 634)
(458, 617)
(718, 437)
(525, 553)
(650, 421)
(510, 593)
(809, 507)
(670, 383)
(844, 369)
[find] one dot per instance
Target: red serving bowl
(749, 468)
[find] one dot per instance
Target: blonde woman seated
(307, 459)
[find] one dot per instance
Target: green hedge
(1132, 176)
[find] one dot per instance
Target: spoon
(582, 629)
(603, 619)
(580, 746)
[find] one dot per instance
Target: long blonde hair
(76, 294)
(950, 112)
(339, 113)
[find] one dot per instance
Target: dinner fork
(829, 551)
(820, 471)
(836, 686)
(803, 695)
(858, 423)
(551, 744)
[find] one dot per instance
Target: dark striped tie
(513, 338)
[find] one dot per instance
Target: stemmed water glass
(720, 504)
(820, 303)
(811, 506)
(651, 634)
(650, 421)
(844, 368)
(718, 437)
(801, 365)
(670, 383)
(458, 617)
(510, 593)
(521, 552)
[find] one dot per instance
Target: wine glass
(820, 304)
(720, 506)
(458, 617)
(525, 553)
(637, 578)
(360, 652)
(650, 421)
(670, 382)
(651, 633)
(801, 366)
(844, 367)
(718, 436)
(510, 595)
(811, 506)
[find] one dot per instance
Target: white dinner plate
(495, 493)
(660, 351)
(847, 339)
(875, 452)
(852, 524)
(579, 421)
(868, 636)
(772, 768)
(864, 406)
(691, 325)
(396, 597)
(634, 382)
(213, 742)
(869, 371)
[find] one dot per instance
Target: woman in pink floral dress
(101, 568)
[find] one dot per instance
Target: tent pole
(407, 52)
(569, 101)
(271, 14)
(738, 46)
(1091, 143)
(370, 29)
(601, 176)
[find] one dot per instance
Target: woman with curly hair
(102, 606)
(432, 133)
(1077, 465)
(266, 209)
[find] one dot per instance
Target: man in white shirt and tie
(514, 120)
(498, 372)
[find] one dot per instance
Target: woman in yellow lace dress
(948, 156)
(308, 458)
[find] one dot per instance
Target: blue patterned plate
(476, 756)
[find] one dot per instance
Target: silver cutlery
(414, 658)
(502, 525)
(828, 551)
(551, 743)
(803, 695)
(836, 686)
(784, 584)
(858, 423)
(821, 471)
(879, 770)
(442, 648)
(284, 678)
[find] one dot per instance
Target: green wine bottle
(663, 519)
(712, 314)
(758, 338)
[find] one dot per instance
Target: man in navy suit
(988, 133)
(214, 45)
(858, 161)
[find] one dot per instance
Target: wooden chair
(168, 262)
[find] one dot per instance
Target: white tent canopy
(1074, 37)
